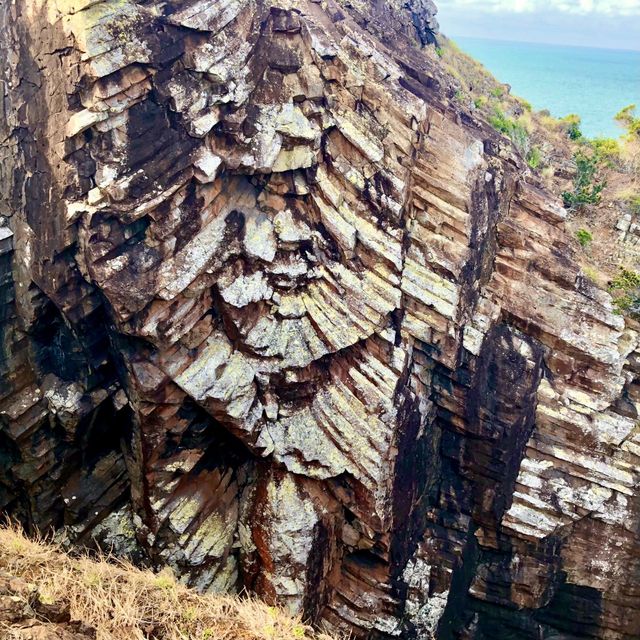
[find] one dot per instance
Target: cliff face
(280, 316)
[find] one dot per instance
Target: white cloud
(578, 7)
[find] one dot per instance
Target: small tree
(585, 189)
(572, 123)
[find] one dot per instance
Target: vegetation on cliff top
(117, 601)
(597, 180)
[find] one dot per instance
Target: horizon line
(557, 44)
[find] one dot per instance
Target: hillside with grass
(46, 594)
(598, 179)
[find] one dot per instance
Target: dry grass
(122, 602)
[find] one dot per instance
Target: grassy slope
(120, 601)
(545, 143)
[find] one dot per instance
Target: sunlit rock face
(279, 315)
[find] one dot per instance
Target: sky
(613, 24)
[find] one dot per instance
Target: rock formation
(278, 314)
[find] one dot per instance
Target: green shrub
(497, 92)
(501, 122)
(584, 237)
(511, 128)
(572, 123)
(628, 119)
(439, 52)
(625, 289)
(606, 148)
(585, 189)
(626, 280)
(534, 157)
(479, 102)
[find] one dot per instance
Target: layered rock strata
(278, 314)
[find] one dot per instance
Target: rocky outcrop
(279, 315)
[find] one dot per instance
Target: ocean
(594, 83)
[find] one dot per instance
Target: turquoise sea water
(594, 83)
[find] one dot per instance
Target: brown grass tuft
(123, 602)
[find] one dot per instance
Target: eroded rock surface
(279, 315)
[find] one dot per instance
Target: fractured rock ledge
(277, 314)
